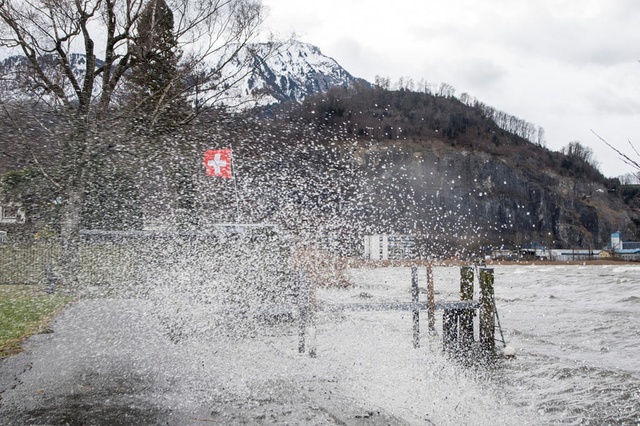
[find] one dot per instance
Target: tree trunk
(70, 234)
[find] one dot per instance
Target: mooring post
(431, 299)
(313, 309)
(303, 308)
(450, 330)
(487, 310)
(415, 298)
(466, 317)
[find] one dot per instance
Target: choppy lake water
(576, 330)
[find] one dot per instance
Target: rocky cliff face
(459, 196)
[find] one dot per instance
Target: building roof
(628, 251)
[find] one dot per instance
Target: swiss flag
(218, 162)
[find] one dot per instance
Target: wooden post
(303, 308)
(431, 299)
(487, 310)
(450, 330)
(415, 298)
(466, 317)
(313, 308)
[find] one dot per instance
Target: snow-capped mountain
(261, 75)
(16, 80)
(291, 72)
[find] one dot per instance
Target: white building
(616, 241)
(564, 255)
(389, 247)
(625, 250)
(12, 213)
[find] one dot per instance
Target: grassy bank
(25, 310)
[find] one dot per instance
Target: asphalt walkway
(117, 362)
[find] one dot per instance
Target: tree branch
(624, 157)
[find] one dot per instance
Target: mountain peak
(288, 72)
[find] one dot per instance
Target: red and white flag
(218, 162)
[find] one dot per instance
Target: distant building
(616, 241)
(504, 254)
(629, 254)
(11, 213)
(389, 247)
(564, 255)
(535, 250)
(12, 219)
(630, 245)
(625, 250)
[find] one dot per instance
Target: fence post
(307, 321)
(466, 317)
(450, 330)
(431, 299)
(312, 313)
(303, 308)
(415, 298)
(487, 310)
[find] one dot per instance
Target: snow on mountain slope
(291, 71)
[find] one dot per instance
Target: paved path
(111, 362)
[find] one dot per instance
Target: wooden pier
(458, 332)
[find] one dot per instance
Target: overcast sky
(570, 66)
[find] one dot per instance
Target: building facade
(389, 247)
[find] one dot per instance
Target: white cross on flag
(218, 162)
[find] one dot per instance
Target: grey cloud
(359, 59)
(607, 102)
(605, 40)
(481, 72)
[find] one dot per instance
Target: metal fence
(26, 263)
(97, 263)
(246, 268)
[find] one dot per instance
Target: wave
(574, 394)
(630, 299)
(508, 300)
(555, 297)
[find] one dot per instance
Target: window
(12, 213)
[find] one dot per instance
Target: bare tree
(576, 150)
(446, 90)
(383, 82)
(211, 40)
(632, 160)
(541, 140)
(49, 32)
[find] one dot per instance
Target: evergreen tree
(157, 88)
(157, 100)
